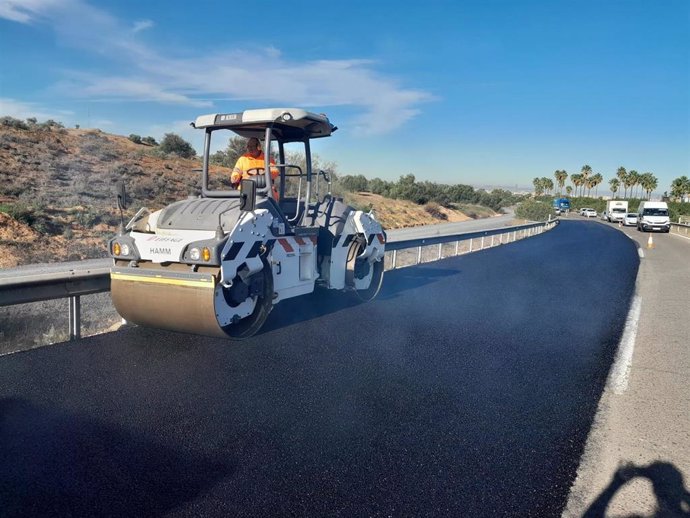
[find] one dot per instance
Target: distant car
(604, 216)
(589, 213)
(630, 219)
(582, 211)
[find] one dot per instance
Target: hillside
(57, 188)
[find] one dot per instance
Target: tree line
(628, 180)
(408, 188)
(405, 188)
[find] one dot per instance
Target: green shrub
(677, 209)
(11, 122)
(176, 145)
(533, 210)
(87, 218)
(49, 124)
(434, 209)
(34, 215)
(150, 141)
(20, 212)
(135, 138)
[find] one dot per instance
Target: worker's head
(254, 147)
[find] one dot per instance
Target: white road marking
(620, 372)
(684, 237)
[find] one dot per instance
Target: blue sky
(480, 92)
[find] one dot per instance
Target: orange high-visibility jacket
(247, 162)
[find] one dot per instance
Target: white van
(653, 215)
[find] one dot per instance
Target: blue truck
(561, 205)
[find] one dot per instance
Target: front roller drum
(185, 302)
(364, 278)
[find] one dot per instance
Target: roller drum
(176, 301)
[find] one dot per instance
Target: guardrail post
(440, 251)
(74, 317)
(514, 236)
(492, 240)
(395, 258)
(419, 255)
(457, 244)
(482, 244)
(470, 245)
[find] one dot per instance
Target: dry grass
(64, 180)
(401, 213)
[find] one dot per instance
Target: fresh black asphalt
(467, 388)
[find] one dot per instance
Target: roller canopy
(289, 124)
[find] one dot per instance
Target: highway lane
(444, 229)
(467, 388)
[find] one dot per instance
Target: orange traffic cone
(650, 242)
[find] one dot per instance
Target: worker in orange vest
(246, 164)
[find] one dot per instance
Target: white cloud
(25, 11)
(24, 110)
(142, 25)
(258, 75)
(118, 88)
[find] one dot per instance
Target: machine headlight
(116, 249)
(125, 249)
(203, 253)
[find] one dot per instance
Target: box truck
(653, 215)
(616, 210)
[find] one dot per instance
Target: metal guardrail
(72, 280)
(477, 240)
(680, 228)
(56, 281)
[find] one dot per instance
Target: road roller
(216, 263)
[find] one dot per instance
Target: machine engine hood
(200, 214)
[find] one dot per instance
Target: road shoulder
(637, 457)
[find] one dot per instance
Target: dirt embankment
(57, 192)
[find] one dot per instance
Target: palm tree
(631, 180)
(548, 184)
(576, 180)
(596, 180)
(651, 182)
(568, 190)
(622, 174)
(560, 176)
(586, 171)
(680, 187)
(538, 186)
(615, 184)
